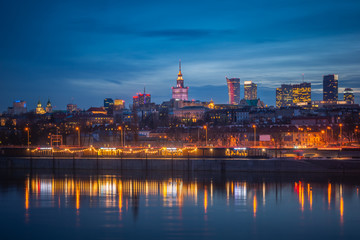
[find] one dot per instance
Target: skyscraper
(141, 99)
(349, 96)
(330, 88)
(250, 90)
(284, 96)
(301, 93)
(180, 92)
(233, 90)
(278, 97)
(109, 105)
(119, 104)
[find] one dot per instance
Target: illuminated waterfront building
(349, 96)
(330, 88)
(301, 93)
(233, 90)
(284, 96)
(39, 109)
(250, 90)
(109, 105)
(48, 107)
(180, 92)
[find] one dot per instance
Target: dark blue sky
(85, 51)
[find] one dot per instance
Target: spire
(180, 74)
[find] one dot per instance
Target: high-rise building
(301, 93)
(233, 90)
(119, 104)
(141, 99)
(278, 97)
(349, 95)
(284, 96)
(330, 88)
(48, 107)
(109, 105)
(180, 92)
(250, 90)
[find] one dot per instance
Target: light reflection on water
(182, 208)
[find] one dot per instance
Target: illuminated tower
(233, 90)
(349, 95)
(250, 90)
(48, 107)
(180, 92)
(330, 88)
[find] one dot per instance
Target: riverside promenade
(185, 164)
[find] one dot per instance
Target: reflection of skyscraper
(250, 90)
(180, 92)
(233, 90)
(330, 88)
(349, 95)
(301, 93)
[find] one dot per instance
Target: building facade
(284, 96)
(233, 90)
(250, 90)
(330, 88)
(109, 105)
(301, 93)
(180, 92)
(349, 95)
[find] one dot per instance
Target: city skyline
(102, 50)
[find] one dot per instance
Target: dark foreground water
(178, 206)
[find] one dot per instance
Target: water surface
(178, 206)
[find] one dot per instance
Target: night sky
(85, 51)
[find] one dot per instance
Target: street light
(323, 137)
(27, 129)
(332, 134)
(121, 135)
(340, 125)
(205, 127)
(78, 129)
(254, 127)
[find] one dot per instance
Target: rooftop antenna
(179, 65)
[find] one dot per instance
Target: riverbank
(190, 165)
